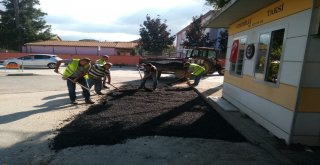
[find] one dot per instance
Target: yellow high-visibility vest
(101, 62)
(196, 69)
(73, 66)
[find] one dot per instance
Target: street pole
(17, 21)
(16, 12)
(98, 51)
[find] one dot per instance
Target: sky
(116, 20)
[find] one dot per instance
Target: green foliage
(217, 3)
(276, 50)
(195, 36)
(223, 41)
(274, 61)
(155, 36)
(31, 26)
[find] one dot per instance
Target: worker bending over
(76, 71)
(96, 73)
(149, 72)
(195, 70)
(102, 61)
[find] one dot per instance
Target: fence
(126, 60)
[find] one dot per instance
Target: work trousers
(197, 78)
(97, 84)
(104, 80)
(154, 79)
(72, 89)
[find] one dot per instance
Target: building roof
(123, 45)
(126, 45)
(235, 10)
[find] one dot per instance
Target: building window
(269, 55)
(237, 55)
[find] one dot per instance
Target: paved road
(36, 102)
(32, 107)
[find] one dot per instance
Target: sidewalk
(211, 91)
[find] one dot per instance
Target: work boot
(99, 93)
(89, 102)
(74, 102)
(194, 85)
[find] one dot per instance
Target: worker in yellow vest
(76, 72)
(102, 61)
(194, 70)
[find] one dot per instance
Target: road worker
(76, 72)
(96, 73)
(102, 61)
(149, 72)
(194, 70)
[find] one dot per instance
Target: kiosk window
(236, 65)
(269, 55)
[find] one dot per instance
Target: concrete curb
(250, 130)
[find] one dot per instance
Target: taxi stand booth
(273, 65)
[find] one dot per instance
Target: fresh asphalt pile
(129, 113)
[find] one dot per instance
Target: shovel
(76, 82)
(139, 72)
(114, 87)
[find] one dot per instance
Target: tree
(21, 23)
(155, 36)
(217, 3)
(223, 41)
(195, 36)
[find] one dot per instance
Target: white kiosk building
(273, 64)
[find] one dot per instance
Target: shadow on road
(52, 105)
(32, 150)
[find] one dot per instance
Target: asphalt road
(33, 104)
(33, 107)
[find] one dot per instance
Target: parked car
(34, 61)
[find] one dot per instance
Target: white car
(35, 61)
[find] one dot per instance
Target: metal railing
(14, 66)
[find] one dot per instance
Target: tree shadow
(32, 149)
(52, 105)
(59, 95)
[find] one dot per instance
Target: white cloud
(116, 20)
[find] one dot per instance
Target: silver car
(35, 61)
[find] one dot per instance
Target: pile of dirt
(131, 113)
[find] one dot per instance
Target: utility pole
(16, 12)
(17, 20)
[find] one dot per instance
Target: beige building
(273, 64)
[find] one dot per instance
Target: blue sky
(117, 20)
